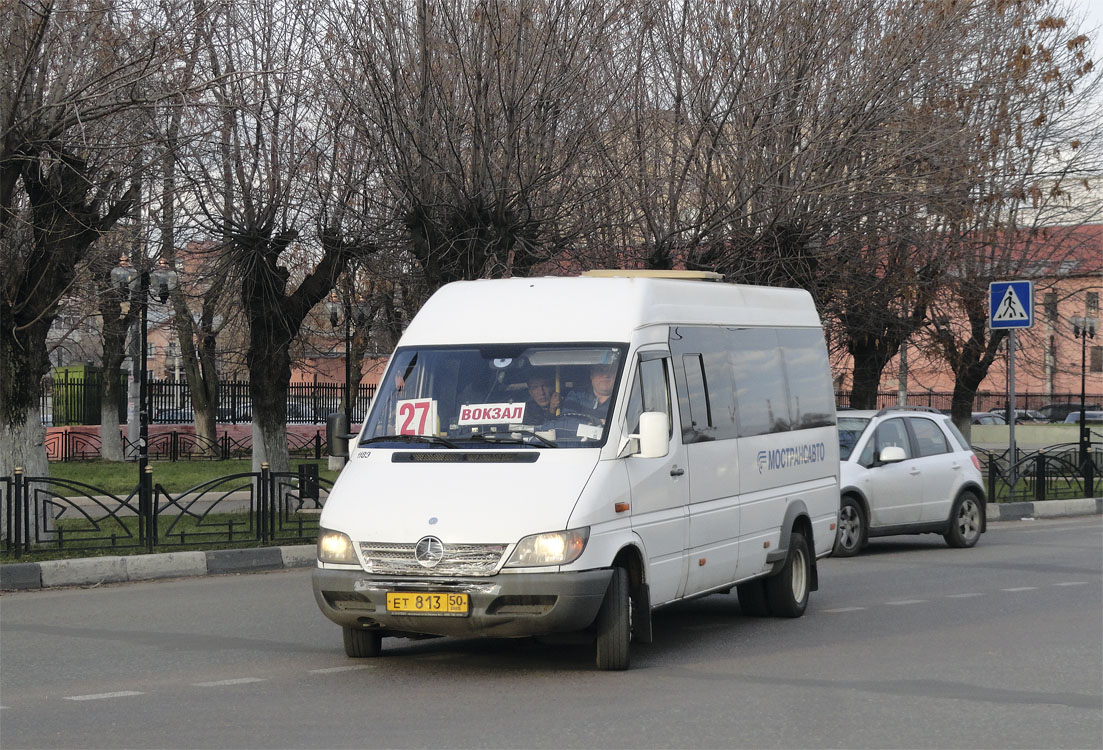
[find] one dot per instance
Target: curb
(1086, 506)
(93, 571)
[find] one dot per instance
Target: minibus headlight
(554, 548)
(335, 547)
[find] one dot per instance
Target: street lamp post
(139, 284)
(350, 312)
(1083, 328)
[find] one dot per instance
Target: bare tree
(278, 187)
(482, 116)
(1024, 96)
(76, 78)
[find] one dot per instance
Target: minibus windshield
(494, 396)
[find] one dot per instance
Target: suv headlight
(553, 548)
(335, 547)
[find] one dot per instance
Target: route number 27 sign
(416, 416)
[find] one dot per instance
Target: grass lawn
(78, 537)
(174, 476)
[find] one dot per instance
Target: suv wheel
(965, 521)
(852, 528)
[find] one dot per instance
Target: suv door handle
(676, 472)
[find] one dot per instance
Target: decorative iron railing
(179, 445)
(262, 507)
(1053, 473)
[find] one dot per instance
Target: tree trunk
(111, 436)
(268, 388)
(112, 389)
(869, 362)
(23, 364)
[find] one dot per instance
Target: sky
(1092, 11)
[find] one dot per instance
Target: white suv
(906, 470)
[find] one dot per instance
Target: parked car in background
(1089, 416)
(1057, 412)
(186, 415)
(988, 417)
(175, 416)
(1023, 416)
(906, 470)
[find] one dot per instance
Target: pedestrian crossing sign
(1010, 304)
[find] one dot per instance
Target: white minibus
(556, 455)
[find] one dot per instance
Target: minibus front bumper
(502, 606)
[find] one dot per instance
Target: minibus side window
(761, 397)
(650, 392)
(697, 392)
(808, 374)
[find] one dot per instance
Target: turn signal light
(621, 507)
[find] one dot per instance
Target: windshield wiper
(431, 439)
(516, 437)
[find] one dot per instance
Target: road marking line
(906, 601)
(1021, 588)
(102, 696)
(222, 683)
(844, 609)
(334, 670)
(1072, 583)
(963, 596)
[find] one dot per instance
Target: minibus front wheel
(614, 623)
(360, 643)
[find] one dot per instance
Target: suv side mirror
(654, 435)
(892, 454)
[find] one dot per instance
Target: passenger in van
(594, 401)
(543, 400)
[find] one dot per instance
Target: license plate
(427, 603)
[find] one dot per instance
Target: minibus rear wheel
(787, 592)
(360, 643)
(614, 624)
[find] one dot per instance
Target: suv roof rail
(889, 409)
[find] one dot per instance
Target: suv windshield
(494, 396)
(850, 429)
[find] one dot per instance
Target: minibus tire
(614, 624)
(361, 644)
(787, 592)
(752, 598)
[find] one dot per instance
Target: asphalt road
(912, 644)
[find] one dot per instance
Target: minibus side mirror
(654, 435)
(337, 435)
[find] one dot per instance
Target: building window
(1097, 359)
(1093, 303)
(1051, 305)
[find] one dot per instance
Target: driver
(593, 401)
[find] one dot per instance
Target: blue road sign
(1010, 304)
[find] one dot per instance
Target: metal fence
(76, 401)
(982, 402)
(1053, 473)
(44, 513)
(265, 507)
(179, 445)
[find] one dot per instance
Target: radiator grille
(459, 559)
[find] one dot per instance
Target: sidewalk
(93, 571)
